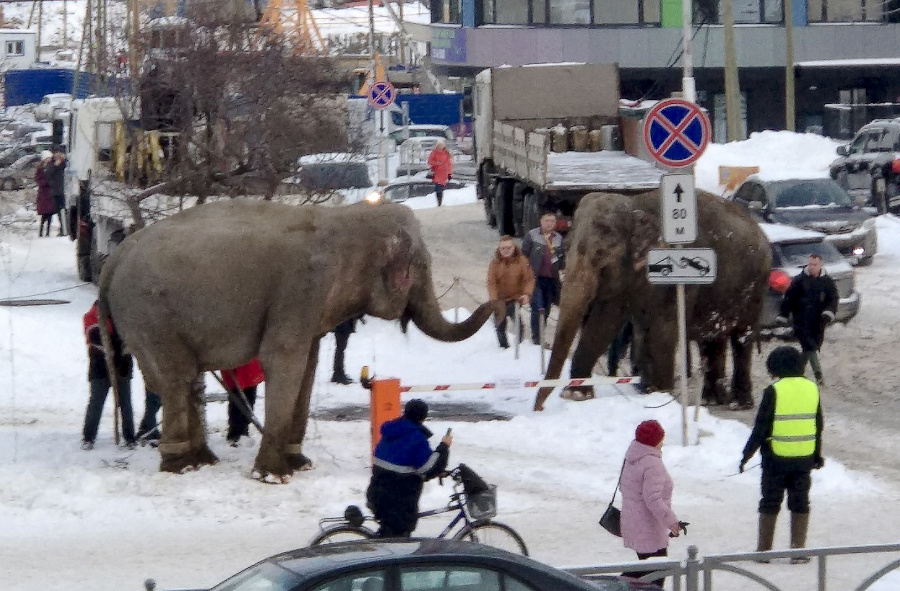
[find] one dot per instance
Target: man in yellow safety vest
(788, 433)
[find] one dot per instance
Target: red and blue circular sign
(382, 94)
(676, 132)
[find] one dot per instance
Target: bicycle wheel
(342, 533)
(491, 533)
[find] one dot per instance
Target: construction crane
(295, 20)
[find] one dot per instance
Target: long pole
(790, 122)
(688, 87)
(689, 92)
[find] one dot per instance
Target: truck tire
(84, 268)
(520, 190)
(531, 217)
(486, 194)
(503, 206)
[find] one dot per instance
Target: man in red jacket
(244, 378)
(441, 163)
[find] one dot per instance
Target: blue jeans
(543, 297)
(99, 389)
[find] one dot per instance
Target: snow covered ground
(107, 519)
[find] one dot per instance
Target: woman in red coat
(46, 206)
(441, 163)
(244, 378)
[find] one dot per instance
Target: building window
(15, 48)
(626, 12)
(849, 11)
(511, 12)
(570, 12)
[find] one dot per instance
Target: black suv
(869, 166)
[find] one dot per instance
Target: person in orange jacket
(244, 378)
(441, 163)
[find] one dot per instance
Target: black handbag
(611, 520)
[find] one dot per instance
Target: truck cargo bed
(599, 171)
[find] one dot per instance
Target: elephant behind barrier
(219, 284)
(606, 280)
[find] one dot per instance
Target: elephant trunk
(578, 291)
(425, 312)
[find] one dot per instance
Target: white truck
(546, 135)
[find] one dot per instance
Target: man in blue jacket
(403, 462)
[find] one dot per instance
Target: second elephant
(606, 281)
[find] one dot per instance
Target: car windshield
(815, 193)
(262, 577)
(334, 175)
(797, 254)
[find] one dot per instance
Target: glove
(827, 318)
(449, 176)
(781, 320)
(741, 466)
(819, 462)
(682, 525)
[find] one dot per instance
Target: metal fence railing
(695, 573)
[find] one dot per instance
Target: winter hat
(416, 410)
(649, 433)
(45, 154)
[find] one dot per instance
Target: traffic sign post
(381, 96)
(676, 132)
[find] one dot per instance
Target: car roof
(333, 158)
(785, 233)
(311, 562)
(780, 176)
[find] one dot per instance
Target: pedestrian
(788, 433)
(55, 171)
(647, 518)
(342, 334)
(812, 300)
(148, 430)
(46, 206)
(100, 381)
(243, 379)
(545, 251)
(441, 163)
(510, 281)
(403, 462)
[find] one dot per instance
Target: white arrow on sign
(681, 265)
(679, 208)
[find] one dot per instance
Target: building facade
(845, 51)
(17, 49)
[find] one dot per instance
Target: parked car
(420, 564)
(20, 173)
(11, 153)
(439, 131)
(817, 204)
(51, 105)
(341, 178)
(791, 248)
(869, 166)
(417, 185)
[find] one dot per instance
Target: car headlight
(374, 197)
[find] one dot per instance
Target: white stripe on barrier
(508, 384)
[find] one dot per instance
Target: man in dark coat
(788, 433)
(55, 171)
(403, 462)
(812, 300)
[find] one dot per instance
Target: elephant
(606, 281)
(221, 283)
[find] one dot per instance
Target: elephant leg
(658, 353)
(284, 362)
(713, 354)
(597, 334)
(742, 359)
(294, 450)
(183, 444)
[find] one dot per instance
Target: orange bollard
(385, 405)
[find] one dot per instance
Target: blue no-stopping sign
(676, 132)
(382, 95)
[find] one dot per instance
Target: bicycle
(474, 509)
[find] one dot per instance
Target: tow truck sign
(681, 265)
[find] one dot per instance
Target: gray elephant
(606, 281)
(219, 284)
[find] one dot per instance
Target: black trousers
(776, 482)
(238, 422)
(99, 389)
(645, 556)
(152, 404)
(501, 328)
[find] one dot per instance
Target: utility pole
(40, 22)
(65, 26)
(790, 122)
(732, 80)
(688, 85)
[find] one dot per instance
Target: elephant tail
(105, 322)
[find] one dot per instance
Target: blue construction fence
(22, 87)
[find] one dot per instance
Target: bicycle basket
(482, 505)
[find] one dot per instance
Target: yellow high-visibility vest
(794, 427)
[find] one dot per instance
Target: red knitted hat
(649, 433)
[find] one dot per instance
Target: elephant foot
(271, 478)
(579, 394)
(299, 462)
(181, 462)
(272, 466)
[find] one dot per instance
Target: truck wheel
(84, 268)
(531, 217)
(520, 190)
(503, 207)
(485, 192)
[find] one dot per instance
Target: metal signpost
(676, 132)
(381, 96)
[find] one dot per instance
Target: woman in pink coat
(441, 163)
(647, 517)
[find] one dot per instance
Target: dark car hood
(831, 220)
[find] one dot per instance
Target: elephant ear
(644, 236)
(396, 272)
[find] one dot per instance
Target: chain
(76, 286)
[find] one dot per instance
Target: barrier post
(385, 405)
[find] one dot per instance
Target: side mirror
(843, 150)
(755, 206)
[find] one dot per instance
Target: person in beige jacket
(510, 281)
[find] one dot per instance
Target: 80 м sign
(679, 208)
